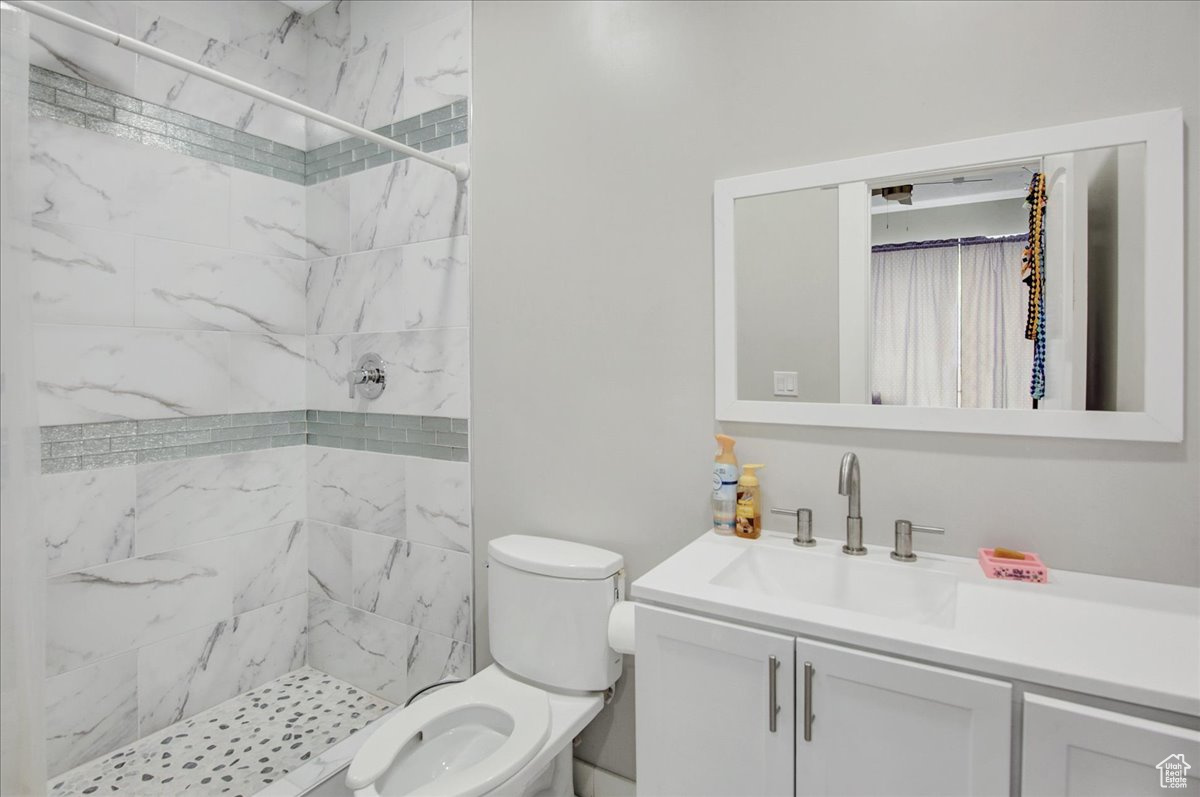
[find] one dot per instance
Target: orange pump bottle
(749, 504)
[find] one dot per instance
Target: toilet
(508, 730)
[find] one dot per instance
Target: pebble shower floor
(234, 748)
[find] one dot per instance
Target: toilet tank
(548, 607)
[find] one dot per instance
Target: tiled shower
(218, 512)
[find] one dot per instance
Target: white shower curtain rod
(460, 170)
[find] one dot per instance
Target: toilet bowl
(463, 740)
(508, 730)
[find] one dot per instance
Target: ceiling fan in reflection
(903, 193)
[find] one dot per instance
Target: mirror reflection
(1005, 286)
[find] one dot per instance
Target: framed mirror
(1023, 284)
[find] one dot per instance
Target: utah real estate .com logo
(1172, 772)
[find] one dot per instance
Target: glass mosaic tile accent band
(76, 102)
(88, 446)
(412, 435)
(82, 104)
(433, 130)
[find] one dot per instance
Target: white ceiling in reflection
(977, 185)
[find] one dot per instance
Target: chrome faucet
(849, 484)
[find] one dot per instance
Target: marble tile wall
(389, 576)
(76, 102)
(373, 63)
(175, 585)
(260, 41)
(176, 288)
(171, 586)
(169, 291)
(389, 261)
(216, 321)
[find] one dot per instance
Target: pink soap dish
(1028, 569)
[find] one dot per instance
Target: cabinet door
(1070, 749)
(886, 726)
(703, 707)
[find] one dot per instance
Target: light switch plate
(787, 383)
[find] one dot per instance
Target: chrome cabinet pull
(808, 715)
(772, 702)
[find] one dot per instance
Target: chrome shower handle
(369, 374)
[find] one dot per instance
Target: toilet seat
(519, 710)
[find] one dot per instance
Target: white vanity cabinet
(704, 704)
(883, 725)
(1072, 750)
(929, 678)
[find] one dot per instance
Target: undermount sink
(884, 589)
(1114, 637)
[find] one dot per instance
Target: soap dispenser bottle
(724, 486)
(749, 504)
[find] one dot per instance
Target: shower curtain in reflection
(914, 337)
(22, 558)
(948, 324)
(996, 357)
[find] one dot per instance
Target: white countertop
(1127, 640)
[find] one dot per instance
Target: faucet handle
(803, 515)
(369, 374)
(903, 551)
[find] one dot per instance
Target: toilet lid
(528, 709)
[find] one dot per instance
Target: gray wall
(1131, 295)
(1116, 284)
(599, 129)
(787, 293)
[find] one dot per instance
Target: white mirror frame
(1162, 418)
